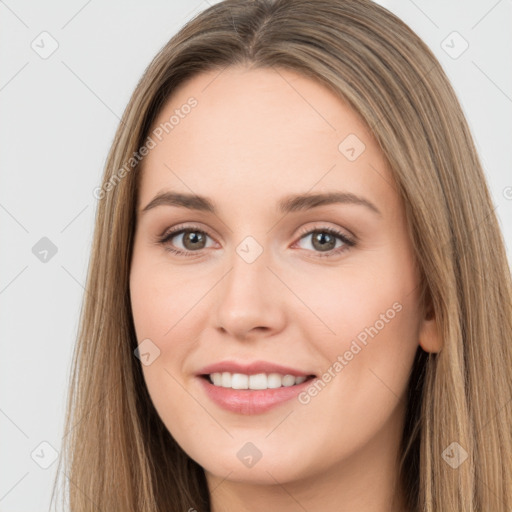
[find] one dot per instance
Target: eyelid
(319, 226)
(174, 230)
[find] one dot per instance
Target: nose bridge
(245, 299)
(248, 275)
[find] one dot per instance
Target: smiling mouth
(258, 381)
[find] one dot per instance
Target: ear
(429, 338)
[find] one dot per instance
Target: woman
(341, 340)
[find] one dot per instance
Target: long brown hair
(118, 455)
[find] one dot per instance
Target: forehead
(263, 131)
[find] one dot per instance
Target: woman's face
(322, 288)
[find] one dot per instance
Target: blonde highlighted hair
(116, 452)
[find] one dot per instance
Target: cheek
(377, 338)
(373, 322)
(162, 309)
(161, 297)
(353, 302)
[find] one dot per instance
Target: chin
(266, 465)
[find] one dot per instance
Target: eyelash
(169, 235)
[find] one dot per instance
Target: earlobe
(429, 336)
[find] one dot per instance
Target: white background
(58, 118)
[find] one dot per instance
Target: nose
(250, 299)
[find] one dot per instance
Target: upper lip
(251, 368)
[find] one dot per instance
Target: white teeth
(288, 380)
(226, 380)
(274, 380)
(239, 381)
(257, 381)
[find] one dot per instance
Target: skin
(255, 136)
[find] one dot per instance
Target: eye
(324, 240)
(193, 240)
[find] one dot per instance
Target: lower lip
(251, 401)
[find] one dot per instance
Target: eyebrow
(288, 204)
